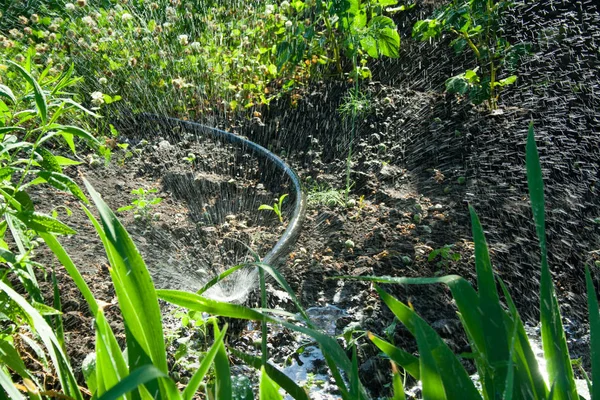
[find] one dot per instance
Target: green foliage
(276, 207)
(500, 347)
(443, 256)
(143, 204)
(475, 25)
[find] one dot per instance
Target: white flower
(97, 98)
(269, 9)
(183, 39)
(195, 46)
(126, 17)
(288, 24)
(103, 81)
(89, 21)
(285, 4)
(70, 6)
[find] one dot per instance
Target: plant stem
(263, 304)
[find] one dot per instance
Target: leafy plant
(475, 25)
(505, 362)
(143, 204)
(445, 255)
(276, 207)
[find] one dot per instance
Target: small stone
(156, 216)
(461, 180)
(439, 216)
(230, 217)
(426, 229)
(438, 207)
(349, 244)
(260, 186)
(406, 260)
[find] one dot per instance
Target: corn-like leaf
(196, 380)
(43, 223)
(556, 353)
(456, 381)
(213, 281)
(406, 360)
(276, 375)
(433, 386)
(74, 273)
(495, 347)
(40, 98)
(594, 317)
(397, 385)
(9, 387)
(11, 358)
(58, 322)
(268, 390)
(111, 367)
(59, 359)
(133, 284)
(222, 371)
(140, 376)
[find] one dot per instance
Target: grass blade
(276, 375)
(223, 390)
(58, 322)
(59, 359)
(397, 385)
(560, 371)
(111, 367)
(140, 376)
(594, 317)
(9, 387)
(267, 390)
(433, 386)
(196, 380)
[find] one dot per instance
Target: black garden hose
(289, 236)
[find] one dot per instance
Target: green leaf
(134, 288)
(397, 386)
(9, 387)
(140, 376)
(267, 388)
(49, 162)
(222, 371)
(196, 379)
(7, 129)
(64, 161)
(46, 334)
(556, 353)
(433, 386)
(11, 358)
(457, 84)
(43, 223)
(369, 44)
(388, 42)
(406, 360)
(111, 367)
(64, 183)
(265, 207)
(76, 131)
(508, 81)
(40, 98)
(594, 318)
(276, 375)
(6, 92)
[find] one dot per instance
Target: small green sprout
(143, 203)
(276, 208)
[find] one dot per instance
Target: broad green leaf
(139, 377)
(433, 386)
(276, 375)
(40, 97)
(369, 44)
(63, 182)
(196, 379)
(76, 131)
(388, 42)
(48, 162)
(406, 360)
(43, 223)
(457, 84)
(594, 318)
(135, 291)
(556, 353)
(7, 172)
(59, 359)
(111, 367)
(222, 371)
(267, 388)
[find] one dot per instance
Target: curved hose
(295, 224)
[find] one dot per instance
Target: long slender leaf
(40, 98)
(196, 380)
(406, 360)
(7, 384)
(111, 367)
(433, 385)
(140, 376)
(594, 317)
(276, 375)
(58, 321)
(136, 292)
(560, 371)
(397, 385)
(267, 388)
(60, 360)
(222, 371)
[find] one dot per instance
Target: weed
(276, 207)
(143, 204)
